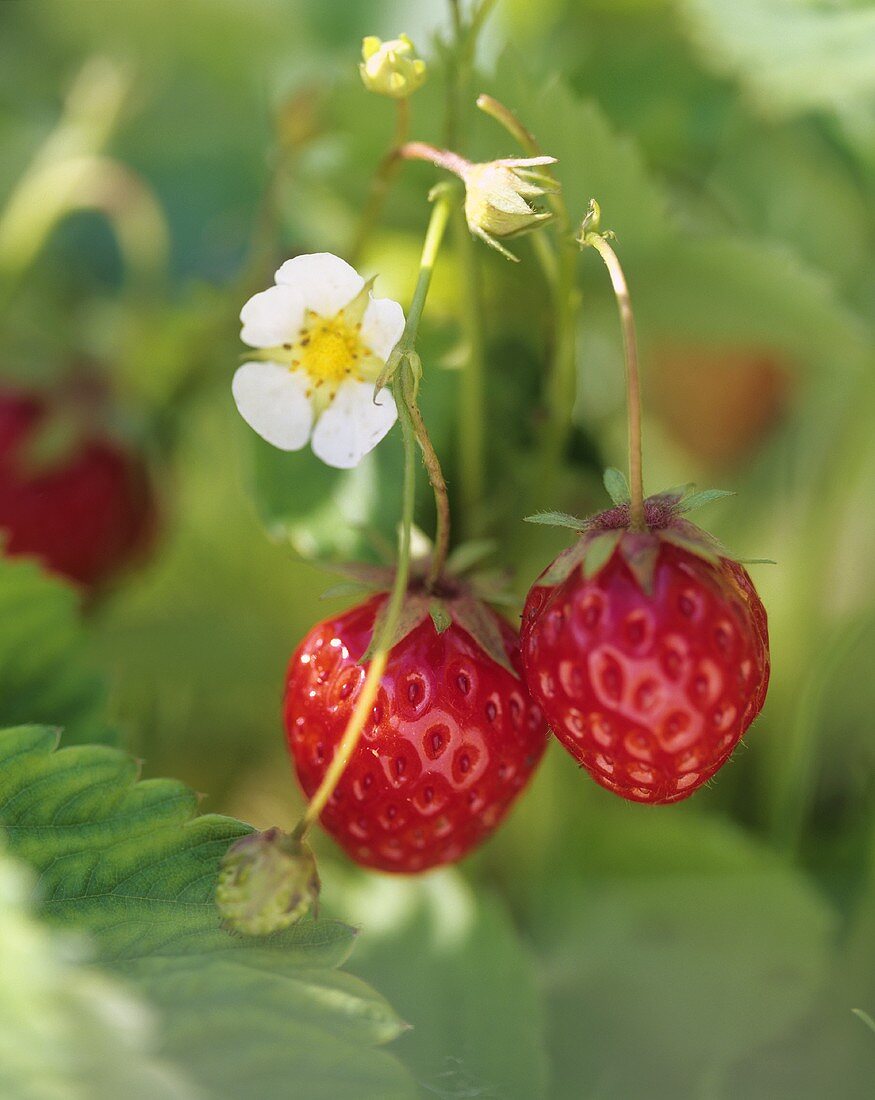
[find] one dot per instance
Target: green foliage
(131, 864)
(789, 56)
(451, 961)
(44, 675)
(677, 938)
(67, 1030)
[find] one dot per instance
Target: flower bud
(267, 882)
(391, 68)
(497, 198)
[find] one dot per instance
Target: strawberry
(648, 650)
(452, 739)
(69, 495)
(721, 404)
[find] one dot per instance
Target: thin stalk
(413, 431)
(382, 181)
(558, 265)
(472, 390)
(633, 384)
(440, 158)
(437, 482)
(376, 668)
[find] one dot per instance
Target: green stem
(633, 383)
(559, 267)
(377, 665)
(472, 395)
(413, 431)
(382, 182)
(434, 235)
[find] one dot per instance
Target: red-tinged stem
(633, 384)
(440, 158)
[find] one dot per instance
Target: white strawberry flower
(323, 341)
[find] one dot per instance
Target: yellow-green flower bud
(497, 198)
(391, 68)
(267, 882)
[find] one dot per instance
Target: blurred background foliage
(593, 948)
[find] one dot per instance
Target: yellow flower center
(329, 351)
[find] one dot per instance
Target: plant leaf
(44, 676)
(557, 519)
(616, 485)
(130, 863)
(453, 961)
(66, 1028)
(700, 499)
(788, 57)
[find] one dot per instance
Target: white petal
(382, 326)
(272, 317)
(325, 282)
(273, 401)
(353, 425)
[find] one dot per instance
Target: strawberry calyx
(600, 535)
(460, 596)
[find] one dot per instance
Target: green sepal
(478, 621)
(616, 485)
(599, 551)
(640, 551)
(557, 519)
(692, 546)
(466, 555)
(700, 499)
(414, 612)
(564, 565)
(439, 615)
(755, 561)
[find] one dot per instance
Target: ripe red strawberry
(452, 739)
(648, 652)
(87, 512)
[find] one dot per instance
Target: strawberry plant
(511, 791)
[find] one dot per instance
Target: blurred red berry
(720, 403)
(649, 687)
(87, 512)
(452, 739)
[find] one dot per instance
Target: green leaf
(450, 958)
(557, 519)
(593, 160)
(739, 291)
(616, 485)
(645, 903)
(130, 863)
(789, 57)
(700, 499)
(320, 511)
(66, 1028)
(44, 675)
